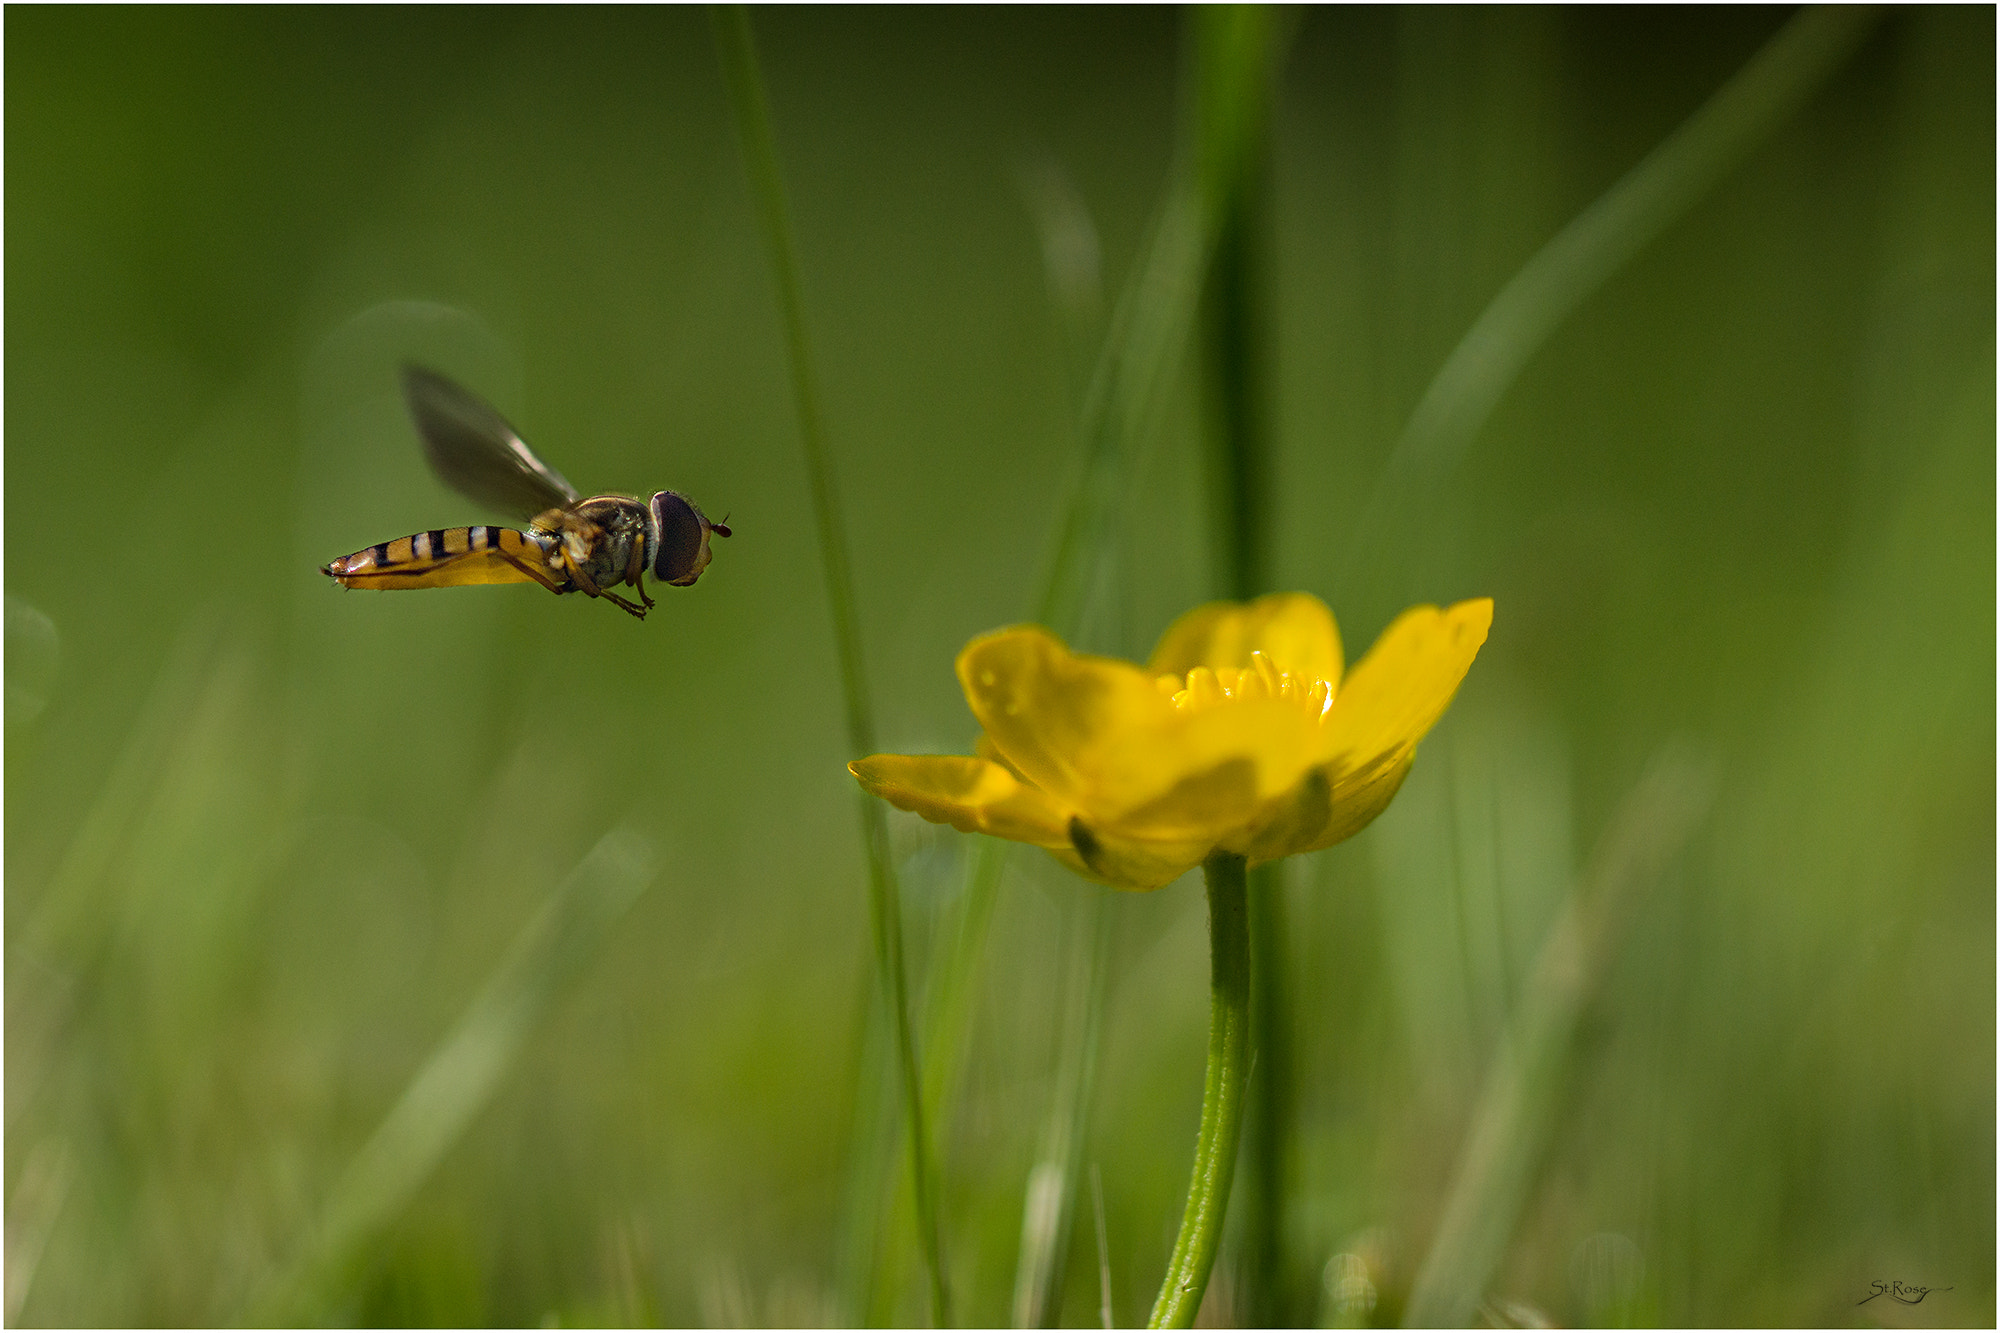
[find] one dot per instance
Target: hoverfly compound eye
(681, 539)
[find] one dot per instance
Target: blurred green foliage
(266, 841)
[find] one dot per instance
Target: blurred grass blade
(1048, 1209)
(738, 51)
(32, 1210)
(760, 155)
(1516, 1108)
(1103, 1248)
(1041, 1219)
(1072, 263)
(1072, 266)
(949, 997)
(872, 1179)
(182, 697)
(461, 1074)
(1149, 329)
(1599, 241)
(158, 881)
(1238, 49)
(34, 651)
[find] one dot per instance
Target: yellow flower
(1242, 736)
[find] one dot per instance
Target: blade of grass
(179, 778)
(1516, 1110)
(34, 653)
(58, 931)
(1072, 265)
(1237, 48)
(32, 1210)
(737, 47)
(1049, 1212)
(1150, 329)
(1238, 51)
(871, 1178)
(1230, 55)
(460, 1076)
(1104, 1311)
(1579, 259)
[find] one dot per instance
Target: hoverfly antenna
(721, 529)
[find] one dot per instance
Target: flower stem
(1222, 1095)
(738, 50)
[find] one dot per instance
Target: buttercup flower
(1242, 735)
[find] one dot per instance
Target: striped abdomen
(454, 557)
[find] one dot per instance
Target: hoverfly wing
(476, 453)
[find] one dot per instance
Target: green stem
(760, 154)
(1222, 1095)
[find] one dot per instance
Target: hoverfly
(571, 544)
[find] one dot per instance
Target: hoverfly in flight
(570, 544)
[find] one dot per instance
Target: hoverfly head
(680, 538)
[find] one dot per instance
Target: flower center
(1209, 688)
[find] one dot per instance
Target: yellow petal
(1288, 824)
(1232, 761)
(1293, 629)
(1099, 736)
(1130, 863)
(1069, 723)
(971, 795)
(987, 750)
(1325, 808)
(1395, 693)
(1359, 796)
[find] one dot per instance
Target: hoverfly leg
(635, 573)
(540, 576)
(618, 601)
(580, 577)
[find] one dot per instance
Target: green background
(265, 840)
